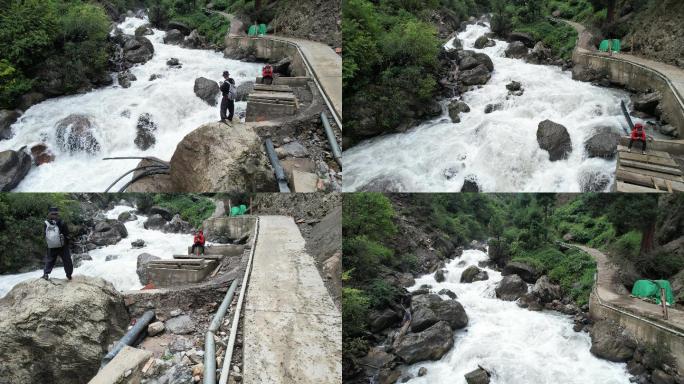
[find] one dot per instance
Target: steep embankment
(317, 20)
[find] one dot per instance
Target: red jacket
(199, 238)
(638, 134)
(267, 71)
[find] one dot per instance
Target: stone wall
(270, 50)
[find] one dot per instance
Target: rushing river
(122, 271)
(516, 345)
(500, 149)
(170, 101)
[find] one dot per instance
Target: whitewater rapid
(170, 101)
(122, 271)
(516, 345)
(500, 148)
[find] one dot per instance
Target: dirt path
(611, 291)
(292, 329)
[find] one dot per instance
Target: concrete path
(674, 74)
(326, 65)
(611, 291)
(292, 329)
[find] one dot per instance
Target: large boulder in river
(430, 344)
(155, 222)
(428, 309)
(141, 269)
(14, 166)
(215, 157)
(469, 60)
(510, 288)
(207, 90)
(477, 76)
(125, 78)
(603, 143)
(174, 37)
(483, 41)
(546, 291)
(138, 50)
(554, 138)
(525, 271)
(646, 102)
(457, 107)
(610, 342)
(473, 273)
(58, 331)
(194, 40)
(478, 376)
(516, 50)
(243, 90)
(7, 118)
(522, 37)
(177, 25)
(76, 133)
(108, 232)
(177, 225)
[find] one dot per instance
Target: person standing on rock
(57, 238)
(229, 94)
(638, 134)
(198, 243)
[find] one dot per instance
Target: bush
(355, 306)
(381, 293)
(364, 256)
(13, 84)
(191, 208)
(628, 245)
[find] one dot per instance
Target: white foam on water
(170, 101)
(500, 148)
(122, 271)
(516, 345)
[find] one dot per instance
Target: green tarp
(238, 210)
(252, 30)
(651, 289)
(604, 46)
(616, 45)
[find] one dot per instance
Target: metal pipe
(331, 139)
(277, 168)
(209, 359)
(130, 337)
(223, 379)
(142, 176)
(216, 322)
(148, 167)
(152, 159)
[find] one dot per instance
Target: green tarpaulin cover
(238, 210)
(651, 289)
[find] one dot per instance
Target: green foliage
(381, 293)
(367, 214)
(364, 256)
(628, 245)
(192, 208)
(559, 37)
(501, 23)
(355, 306)
(13, 84)
(22, 240)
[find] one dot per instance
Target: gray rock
(140, 269)
(478, 376)
(457, 107)
(660, 377)
(381, 320)
(439, 275)
(108, 232)
(7, 118)
(610, 342)
(447, 292)
(292, 149)
(422, 371)
(430, 344)
(164, 212)
(138, 243)
(174, 37)
(243, 90)
(155, 221)
(125, 78)
(473, 273)
(126, 217)
(428, 309)
(30, 99)
(76, 133)
(173, 62)
(513, 86)
(155, 328)
(79, 258)
(145, 129)
(516, 50)
(483, 41)
(176, 312)
(510, 288)
(545, 291)
(177, 25)
(526, 272)
(668, 130)
(177, 225)
(138, 50)
(194, 40)
(144, 30)
(470, 184)
(489, 108)
(14, 166)
(554, 138)
(477, 76)
(603, 143)
(522, 37)
(647, 102)
(207, 90)
(62, 325)
(180, 325)
(180, 344)
(111, 257)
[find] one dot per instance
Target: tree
(609, 5)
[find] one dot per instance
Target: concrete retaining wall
(637, 77)
(269, 50)
(229, 227)
(646, 331)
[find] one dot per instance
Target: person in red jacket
(638, 134)
(198, 243)
(267, 75)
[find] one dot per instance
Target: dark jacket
(225, 87)
(63, 229)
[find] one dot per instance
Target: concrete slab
(292, 329)
(304, 182)
(129, 360)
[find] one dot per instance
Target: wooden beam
(651, 167)
(648, 159)
(646, 181)
(659, 175)
(632, 188)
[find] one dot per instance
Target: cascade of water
(114, 111)
(516, 345)
(500, 148)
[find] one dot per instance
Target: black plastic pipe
(277, 168)
(130, 337)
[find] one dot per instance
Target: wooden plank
(272, 88)
(194, 257)
(649, 152)
(272, 95)
(632, 188)
(645, 172)
(651, 167)
(647, 159)
(646, 181)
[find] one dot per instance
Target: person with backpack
(638, 134)
(57, 238)
(229, 92)
(198, 242)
